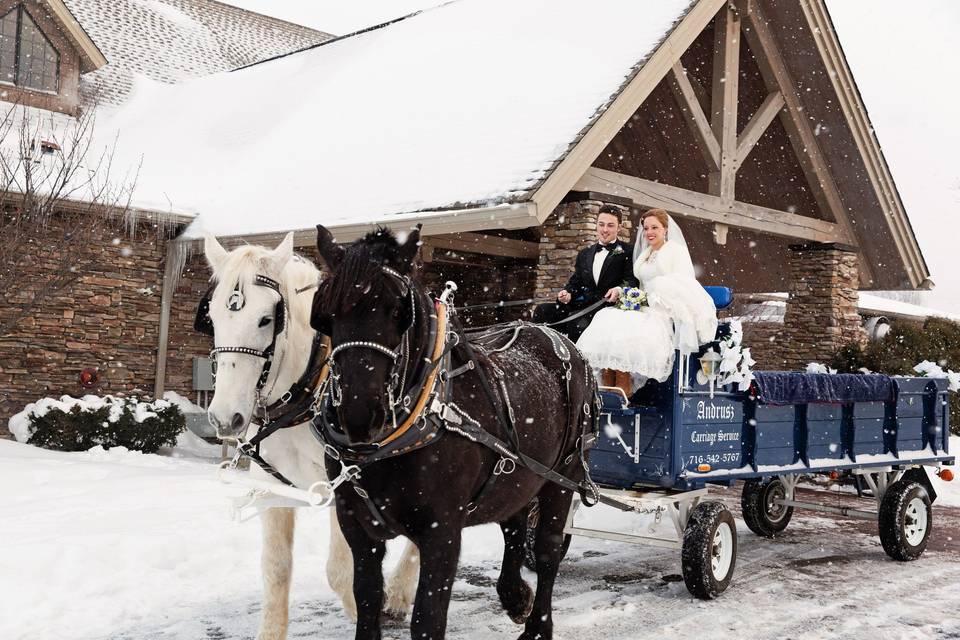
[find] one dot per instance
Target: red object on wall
(89, 377)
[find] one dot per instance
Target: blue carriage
(661, 452)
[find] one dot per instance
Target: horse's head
(366, 307)
(246, 311)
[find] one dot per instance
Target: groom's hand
(563, 297)
(613, 294)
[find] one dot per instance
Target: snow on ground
(123, 546)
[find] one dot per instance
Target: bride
(679, 313)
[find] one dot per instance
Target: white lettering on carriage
(711, 411)
(714, 437)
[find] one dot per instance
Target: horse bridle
(279, 326)
(400, 356)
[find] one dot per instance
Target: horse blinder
(202, 322)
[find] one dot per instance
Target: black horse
(523, 384)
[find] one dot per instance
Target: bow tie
(606, 247)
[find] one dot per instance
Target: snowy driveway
(129, 547)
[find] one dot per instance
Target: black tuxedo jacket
(617, 271)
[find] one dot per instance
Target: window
(27, 59)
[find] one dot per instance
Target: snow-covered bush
(909, 349)
(77, 424)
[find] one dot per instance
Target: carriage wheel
(533, 521)
(709, 550)
(761, 513)
(905, 520)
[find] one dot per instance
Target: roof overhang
(91, 58)
(504, 216)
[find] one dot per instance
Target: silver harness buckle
(444, 411)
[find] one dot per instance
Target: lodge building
(499, 128)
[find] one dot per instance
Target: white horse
(247, 321)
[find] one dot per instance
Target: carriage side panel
(710, 431)
(825, 432)
(776, 435)
(871, 420)
(909, 414)
(633, 448)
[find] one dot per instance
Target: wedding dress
(680, 316)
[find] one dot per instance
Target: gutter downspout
(169, 285)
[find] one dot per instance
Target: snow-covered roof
(169, 41)
(336, 16)
(465, 105)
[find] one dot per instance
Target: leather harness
(425, 417)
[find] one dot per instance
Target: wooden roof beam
(757, 126)
(726, 85)
(486, 244)
(611, 119)
(694, 116)
(856, 114)
(691, 204)
(777, 78)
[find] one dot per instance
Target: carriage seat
(793, 387)
(722, 296)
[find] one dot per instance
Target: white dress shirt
(598, 263)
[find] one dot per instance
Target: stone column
(822, 313)
(570, 228)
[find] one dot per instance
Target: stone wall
(107, 319)
(569, 229)
(821, 314)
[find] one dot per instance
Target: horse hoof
(521, 617)
(393, 615)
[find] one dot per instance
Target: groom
(600, 268)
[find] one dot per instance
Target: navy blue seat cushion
(790, 387)
(722, 296)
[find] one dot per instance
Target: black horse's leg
(439, 555)
(367, 576)
(515, 594)
(554, 505)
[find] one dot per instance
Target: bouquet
(632, 299)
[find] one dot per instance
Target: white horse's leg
(340, 567)
(276, 562)
(401, 588)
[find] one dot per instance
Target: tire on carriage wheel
(905, 520)
(533, 521)
(709, 552)
(761, 514)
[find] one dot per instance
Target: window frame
(21, 8)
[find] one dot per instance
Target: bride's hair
(661, 216)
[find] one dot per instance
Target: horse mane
(359, 278)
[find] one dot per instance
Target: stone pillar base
(822, 314)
